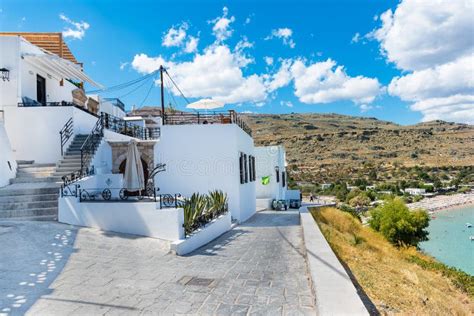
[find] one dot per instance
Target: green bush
(398, 224)
(200, 209)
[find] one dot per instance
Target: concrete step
(28, 205)
(47, 211)
(42, 218)
(29, 198)
(29, 180)
(37, 174)
(29, 191)
(37, 167)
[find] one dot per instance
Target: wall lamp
(5, 74)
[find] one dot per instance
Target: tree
(361, 200)
(398, 224)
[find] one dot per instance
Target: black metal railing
(121, 126)
(69, 190)
(65, 133)
(208, 117)
(33, 103)
(90, 145)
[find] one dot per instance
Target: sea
(449, 238)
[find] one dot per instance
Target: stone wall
(119, 153)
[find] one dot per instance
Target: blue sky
(319, 63)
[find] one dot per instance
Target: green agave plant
(201, 208)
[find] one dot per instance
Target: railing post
(198, 118)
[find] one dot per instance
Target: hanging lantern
(5, 74)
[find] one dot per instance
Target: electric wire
(174, 83)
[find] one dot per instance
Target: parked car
(279, 205)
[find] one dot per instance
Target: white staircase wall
(7, 160)
(34, 131)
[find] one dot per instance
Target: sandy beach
(442, 202)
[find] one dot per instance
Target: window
(41, 89)
(241, 165)
(246, 169)
(252, 169)
(283, 179)
(277, 170)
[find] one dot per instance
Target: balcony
(208, 117)
(33, 103)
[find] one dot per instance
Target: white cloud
(324, 82)
(268, 60)
(191, 44)
(281, 78)
(287, 103)
(221, 28)
(356, 38)
(215, 73)
(421, 34)
(242, 58)
(76, 30)
(432, 43)
(285, 34)
(123, 65)
(175, 36)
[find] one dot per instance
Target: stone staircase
(33, 194)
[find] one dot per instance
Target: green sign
(266, 180)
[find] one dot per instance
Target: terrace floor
(258, 268)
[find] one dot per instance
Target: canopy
(60, 67)
(133, 179)
(205, 104)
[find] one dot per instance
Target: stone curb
(335, 293)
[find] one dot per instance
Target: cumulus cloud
(325, 82)
(242, 58)
(75, 30)
(222, 26)
(215, 73)
(175, 36)
(281, 78)
(432, 43)
(191, 44)
(285, 34)
(268, 60)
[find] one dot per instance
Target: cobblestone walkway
(258, 268)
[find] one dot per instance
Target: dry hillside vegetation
(396, 281)
(325, 147)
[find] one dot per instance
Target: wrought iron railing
(90, 145)
(65, 133)
(124, 127)
(208, 117)
(33, 103)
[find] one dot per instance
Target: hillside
(324, 147)
(397, 281)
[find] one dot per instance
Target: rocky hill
(325, 147)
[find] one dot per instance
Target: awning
(59, 67)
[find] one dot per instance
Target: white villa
(63, 153)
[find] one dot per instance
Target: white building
(415, 191)
(271, 175)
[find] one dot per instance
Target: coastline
(444, 202)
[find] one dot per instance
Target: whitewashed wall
(110, 108)
(7, 159)
(200, 158)
(34, 131)
(10, 59)
(267, 158)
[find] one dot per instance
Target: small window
(283, 179)
(241, 165)
(277, 175)
(252, 170)
(246, 169)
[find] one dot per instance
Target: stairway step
(29, 180)
(28, 205)
(30, 198)
(25, 162)
(41, 218)
(29, 212)
(36, 165)
(29, 191)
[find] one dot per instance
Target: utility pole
(162, 96)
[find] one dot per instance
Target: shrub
(398, 224)
(201, 209)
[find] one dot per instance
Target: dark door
(41, 89)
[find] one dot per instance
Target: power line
(149, 90)
(133, 90)
(125, 84)
(174, 83)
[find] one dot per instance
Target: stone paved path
(258, 268)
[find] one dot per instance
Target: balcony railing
(208, 117)
(121, 126)
(61, 103)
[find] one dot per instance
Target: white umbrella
(133, 179)
(205, 104)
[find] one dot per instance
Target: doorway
(41, 89)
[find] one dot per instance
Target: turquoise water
(449, 238)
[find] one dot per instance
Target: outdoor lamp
(277, 168)
(5, 73)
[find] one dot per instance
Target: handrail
(119, 125)
(90, 145)
(65, 133)
(55, 104)
(208, 117)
